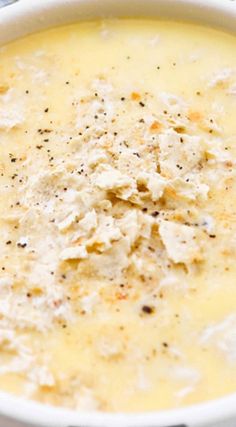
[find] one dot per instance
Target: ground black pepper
(147, 309)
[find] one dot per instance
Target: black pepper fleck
(155, 214)
(147, 309)
(22, 245)
(165, 344)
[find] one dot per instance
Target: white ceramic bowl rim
(25, 17)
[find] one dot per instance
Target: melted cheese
(117, 215)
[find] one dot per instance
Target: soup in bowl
(117, 215)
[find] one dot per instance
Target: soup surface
(118, 215)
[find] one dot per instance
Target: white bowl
(27, 16)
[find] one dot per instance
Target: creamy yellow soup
(118, 215)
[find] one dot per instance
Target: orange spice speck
(121, 296)
(155, 126)
(3, 89)
(194, 116)
(135, 96)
